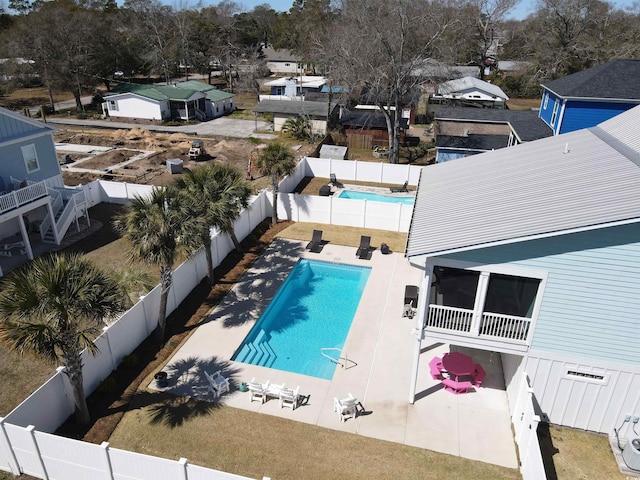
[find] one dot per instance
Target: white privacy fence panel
(64, 458)
(25, 451)
(114, 192)
(346, 170)
(129, 465)
(345, 212)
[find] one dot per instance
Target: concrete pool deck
(380, 342)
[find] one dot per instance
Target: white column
(418, 331)
(478, 306)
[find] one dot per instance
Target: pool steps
(258, 352)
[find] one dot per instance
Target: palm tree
(276, 161)
(298, 127)
(214, 195)
(54, 308)
(153, 224)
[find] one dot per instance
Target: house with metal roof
(470, 91)
(460, 132)
(191, 100)
(36, 208)
(533, 253)
(586, 98)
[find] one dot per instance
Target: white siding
(132, 106)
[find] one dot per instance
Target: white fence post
(108, 469)
(7, 448)
(105, 331)
(30, 429)
(183, 462)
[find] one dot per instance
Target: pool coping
(381, 343)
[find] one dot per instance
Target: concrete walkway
(380, 342)
(223, 126)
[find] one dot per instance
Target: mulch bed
(108, 405)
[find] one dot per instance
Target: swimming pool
(376, 197)
(313, 309)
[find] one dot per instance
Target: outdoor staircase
(258, 352)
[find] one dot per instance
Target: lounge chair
(346, 408)
(334, 181)
(316, 243)
(289, 398)
(364, 250)
(402, 189)
(217, 383)
(258, 391)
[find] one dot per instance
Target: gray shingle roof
(473, 142)
(292, 107)
(530, 190)
(525, 123)
(615, 79)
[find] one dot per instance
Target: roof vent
(465, 133)
(566, 148)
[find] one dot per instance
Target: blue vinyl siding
(580, 114)
(11, 128)
(591, 303)
(547, 113)
(12, 162)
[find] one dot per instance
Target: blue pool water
(376, 197)
(313, 309)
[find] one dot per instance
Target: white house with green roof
(191, 100)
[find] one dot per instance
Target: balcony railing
(17, 198)
(493, 325)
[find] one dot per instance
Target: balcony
(488, 326)
(17, 198)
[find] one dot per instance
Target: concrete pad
(380, 352)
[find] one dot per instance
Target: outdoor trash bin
(174, 165)
(161, 379)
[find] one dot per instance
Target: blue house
(36, 208)
(533, 253)
(586, 98)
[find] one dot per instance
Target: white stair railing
(344, 362)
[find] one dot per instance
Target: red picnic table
(457, 365)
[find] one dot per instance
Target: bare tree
(377, 47)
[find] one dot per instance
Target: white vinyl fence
(25, 445)
(347, 212)
(525, 425)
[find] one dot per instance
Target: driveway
(223, 126)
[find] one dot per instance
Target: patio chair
(478, 375)
(435, 368)
(402, 189)
(217, 384)
(364, 250)
(257, 391)
(316, 243)
(346, 408)
(289, 398)
(333, 181)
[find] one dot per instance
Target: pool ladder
(344, 362)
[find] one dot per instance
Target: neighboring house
(367, 128)
(316, 112)
(159, 103)
(282, 61)
(469, 91)
(586, 98)
(533, 253)
(35, 206)
(289, 88)
(461, 132)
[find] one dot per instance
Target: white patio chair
(257, 391)
(217, 384)
(289, 398)
(346, 408)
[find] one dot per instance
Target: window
(30, 158)
(546, 100)
(113, 105)
(555, 113)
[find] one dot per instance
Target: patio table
(457, 365)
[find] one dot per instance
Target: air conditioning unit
(631, 454)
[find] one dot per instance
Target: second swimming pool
(313, 309)
(376, 197)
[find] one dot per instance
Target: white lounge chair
(346, 407)
(217, 384)
(289, 398)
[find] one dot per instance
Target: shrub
(130, 361)
(108, 385)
